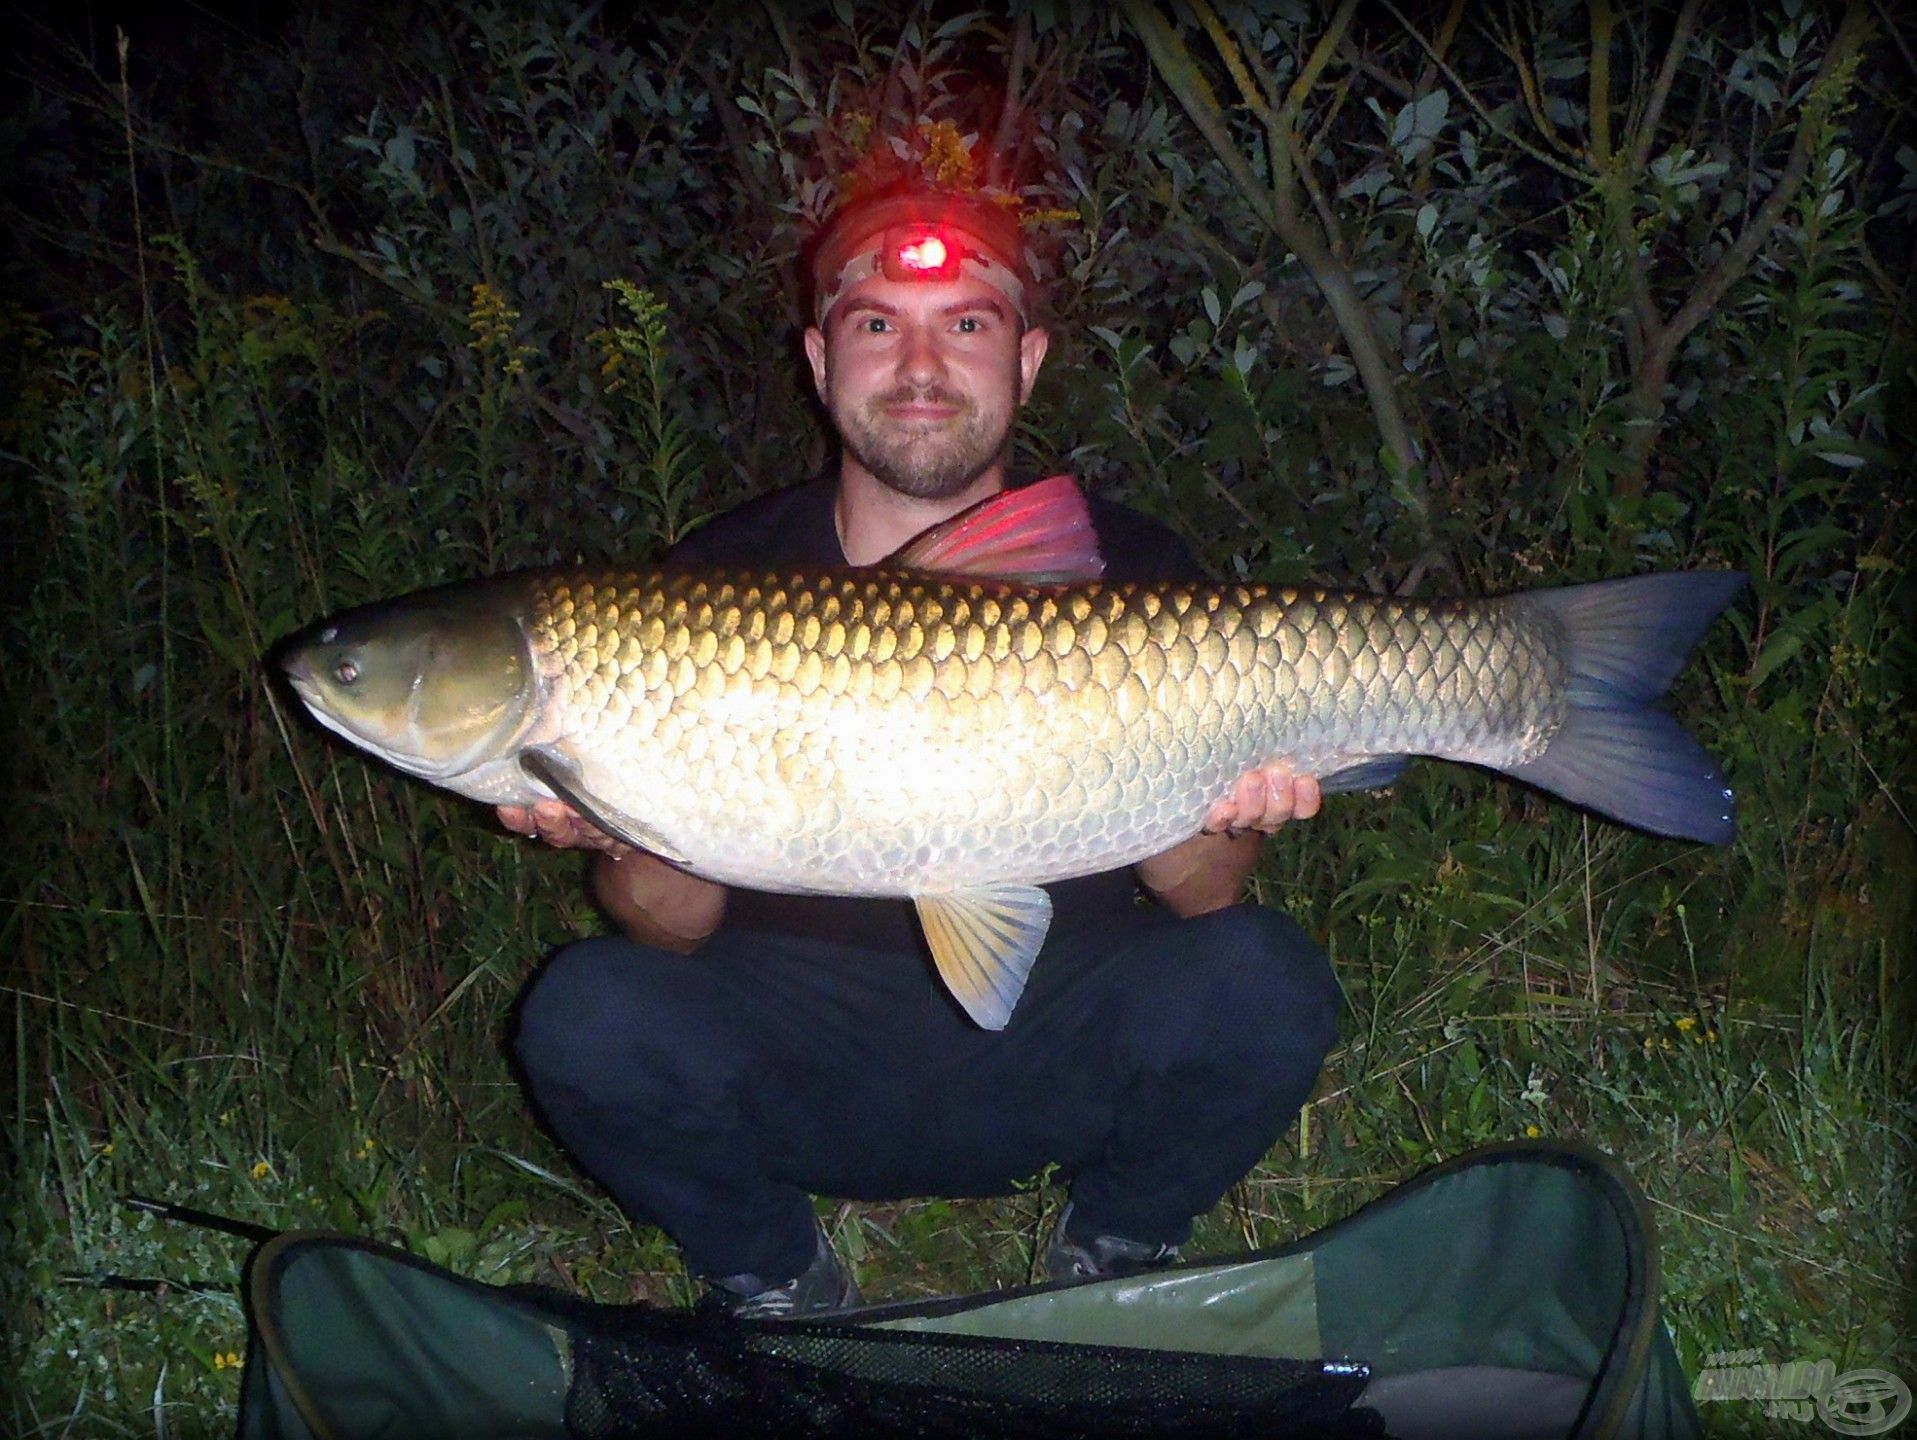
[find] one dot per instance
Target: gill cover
(436, 687)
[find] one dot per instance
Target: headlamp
(909, 253)
(917, 235)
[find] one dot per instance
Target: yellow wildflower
(262, 1170)
(947, 160)
(1531, 1132)
(634, 354)
(1686, 1023)
(227, 1360)
(491, 319)
(272, 327)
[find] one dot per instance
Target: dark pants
(1154, 1061)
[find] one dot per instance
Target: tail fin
(1626, 640)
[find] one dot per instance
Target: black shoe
(1107, 1257)
(825, 1284)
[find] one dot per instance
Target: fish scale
(1116, 713)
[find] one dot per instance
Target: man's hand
(1208, 871)
(654, 902)
(560, 826)
(1264, 800)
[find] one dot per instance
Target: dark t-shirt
(796, 527)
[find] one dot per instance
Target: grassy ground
(348, 1072)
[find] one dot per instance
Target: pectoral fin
(984, 942)
(561, 776)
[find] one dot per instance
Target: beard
(925, 462)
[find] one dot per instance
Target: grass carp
(980, 715)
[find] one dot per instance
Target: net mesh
(639, 1371)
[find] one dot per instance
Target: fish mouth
(299, 673)
(298, 668)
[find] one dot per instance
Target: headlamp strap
(922, 252)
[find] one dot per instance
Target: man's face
(922, 379)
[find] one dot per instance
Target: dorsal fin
(1040, 534)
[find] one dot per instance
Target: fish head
(436, 686)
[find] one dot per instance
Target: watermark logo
(1858, 1402)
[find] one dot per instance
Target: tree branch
(1320, 202)
(1889, 23)
(1477, 106)
(726, 107)
(1257, 99)
(1440, 45)
(1732, 264)
(1603, 26)
(1175, 65)
(1319, 58)
(1647, 320)
(1291, 162)
(473, 209)
(1661, 88)
(1233, 59)
(997, 161)
(1371, 70)
(1512, 48)
(1646, 401)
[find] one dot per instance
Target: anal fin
(1373, 773)
(562, 777)
(983, 942)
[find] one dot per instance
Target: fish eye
(347, 672)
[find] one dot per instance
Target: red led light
(921, 253)
(925, 253)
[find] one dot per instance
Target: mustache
(917, 395)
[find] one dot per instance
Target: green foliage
(636, 367)
(543, 305)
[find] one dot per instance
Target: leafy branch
(1277, 204)
(1659, 337)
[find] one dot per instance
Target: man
(730, 1053)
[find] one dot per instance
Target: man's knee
(600, 1004)
(1250, 982)
(1274, 964)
